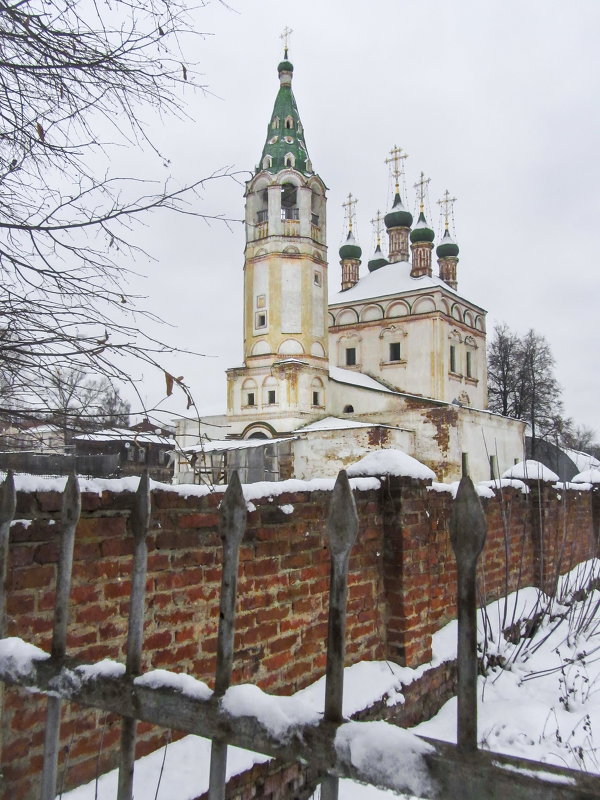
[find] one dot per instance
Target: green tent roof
(281, 140)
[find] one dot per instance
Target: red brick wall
(402, 588)
(281, 614)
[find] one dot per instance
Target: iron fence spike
(342, 519)
(8, 498)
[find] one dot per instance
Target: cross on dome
(421, 187)
(396, 158)
(447, 204)
(349, 210)
(376, 222)
(285, 38)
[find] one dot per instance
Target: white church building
(337, 364)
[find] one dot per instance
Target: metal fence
(461, 771)
(89, 466)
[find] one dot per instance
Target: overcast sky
(498, 102)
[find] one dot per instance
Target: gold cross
(447, 204)
(396, 158)
(285, 38)
(349, 210)
(377, 226)
(421, 187)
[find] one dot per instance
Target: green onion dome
(350, 249)
(447, 246)
(398, 217)
(285, 66)
(378, 260)
(421, 232)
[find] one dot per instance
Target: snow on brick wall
(402, 589)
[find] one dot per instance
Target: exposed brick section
(402, 588)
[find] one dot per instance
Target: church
(337, 362)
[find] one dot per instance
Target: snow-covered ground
(544, 704)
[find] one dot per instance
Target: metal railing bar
(468, 528)
(493, 775)
(8, 504)
(71, 511)
(342, 527)
(233, 526)
(139, 522)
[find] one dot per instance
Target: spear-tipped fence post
(233, 526)
(342, 527)
(71, 511)
(8, 504)
(468, 528)
(139, 522)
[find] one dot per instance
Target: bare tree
(78, 403)
(503, 369)
(522, 383)
(69, 71)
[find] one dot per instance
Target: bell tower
(282, 383)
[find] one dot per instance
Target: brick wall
(402, 588)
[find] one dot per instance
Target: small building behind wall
(213, 461)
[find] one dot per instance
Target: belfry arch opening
(289, 201)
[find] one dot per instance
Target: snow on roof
(390, 462)
(357, 379)
(388, 280)
(582, 460)
(42, 428)
(216, 445)
(334, 424)
(588, 476)
(531, 470)
(124, 435)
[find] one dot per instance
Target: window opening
(317, 278)
(261, 319)
(351, 356)
(394, 351)
(289, 123)
(316, 399)
(271, 397)
(452, 358)
(348, 409)
(469, 364)
(250, 399)
(493, 468)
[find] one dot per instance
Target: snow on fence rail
(372, 752)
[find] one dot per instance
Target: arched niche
(423, 305)
(457, 313)
(260, 348)
(317, 349)
(347, 316)
(399, 308)
(291, 251)
(469, 319)
(290, 347)
(479, 323)
(371, 312)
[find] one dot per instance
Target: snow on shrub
(531, 470)
(390, 462)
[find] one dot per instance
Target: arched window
(275, 123)
(290, 161)
(267, 162)
(348, 409)
(269, 390)
(317, 393)
(249, 393)
(289, 123)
